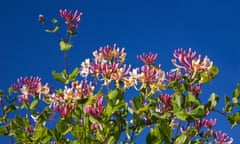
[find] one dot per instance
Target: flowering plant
(96, 105)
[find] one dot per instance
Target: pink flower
(166, 99)
(70, 17)
(30, 128)
(195, 89)
(209, 123)
(147, 58)
(198, 124)
(41, 18)
(108, 54)
(96, 109)
(189, 62)
(221, 138)
(27, 87)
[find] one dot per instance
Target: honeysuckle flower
(195, 89)
(85, 68)
(109, 54)
(198, 124)
(166, 100)
(152, 77)
(209, 123)
(221, 138)
(190, 62)
(27, 87)
(96, 109)
(41, 18)
(147, 58)
(72, 19)
(30, 128)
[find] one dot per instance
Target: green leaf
(236, 92)
(177, 101)
(192, 99)
(54, 20)
(182, 115)
(209, 75)
(74, 74)
(198, 112)
(165, 131)
(228, 106)
(113, 94)
(182, 139)
(154, 136)
(65, 46)
(3, 130)
(61, 126)
(234, 119)
(34, 104)
(212, 101)
(1, 93)
(10, 108)
(55, 29)
(60, 77)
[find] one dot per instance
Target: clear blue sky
(210, 27)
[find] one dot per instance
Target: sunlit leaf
(65, 46)
(3, 130)
(74, 74)
(34, 104)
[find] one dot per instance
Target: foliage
(97, 103)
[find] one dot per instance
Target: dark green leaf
(165, 131)
(3, 130)
(228, 106)
(234, 119)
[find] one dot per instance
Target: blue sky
(210, 27)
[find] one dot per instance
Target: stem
(223, 113)
(66, 62)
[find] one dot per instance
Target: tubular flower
(72, 19)
(105, 71)
(96, 109)
(166, 100)
(65, 102)
(29, 87)
(85, 68)
(209, 123)
(195, 89)
(110, 55)
(190, 62)
(147, 59)
(41, 18)
(198, 124)
(154, 77)
(221, 138)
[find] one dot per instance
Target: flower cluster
(30, 87)
(107, 65)
(65, 101)
(190, 63)
(97, 109)
(72, 19)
